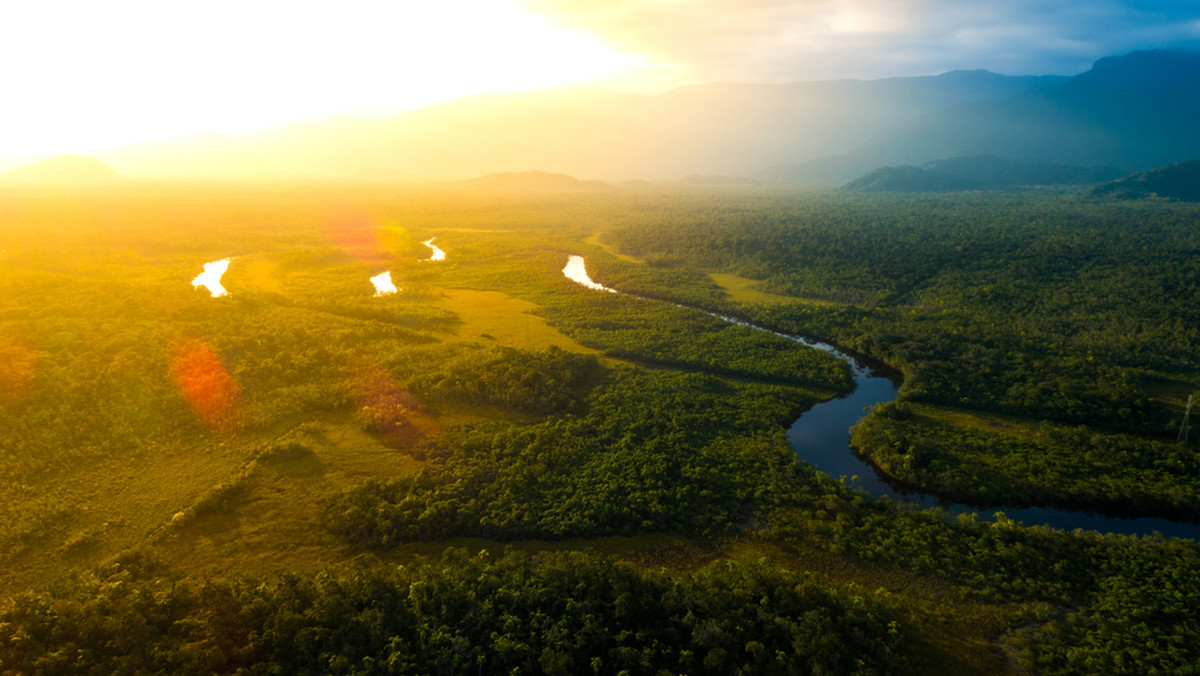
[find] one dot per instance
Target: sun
(84, 76)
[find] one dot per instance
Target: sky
(80, 76)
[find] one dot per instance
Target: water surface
(438, 254)
(577, 272)
(383, 283)
(211, 277)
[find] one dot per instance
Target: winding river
(436, 254)
(821, 436)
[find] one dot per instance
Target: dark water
(822, 437)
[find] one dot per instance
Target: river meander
(821, 437)
(435, 254)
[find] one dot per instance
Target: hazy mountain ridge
(907, 178)
(711, 129)
(1133, 112)
(1179, 181)
(978, 172)
(68, 169)
(536, 181)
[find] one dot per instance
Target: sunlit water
(383, 283)
(577, 272)
(438, 254)
(821, 437)
(211, 277)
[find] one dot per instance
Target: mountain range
(1133, 112)
(979, 172)
(1130, 112)
(1178, 181)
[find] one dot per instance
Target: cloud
(789, 40)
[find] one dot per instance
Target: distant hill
(978, 172)
(1179, 181)
(713, 180)
(907, 179)
(531, 181)
(63, 169)
(989, 171)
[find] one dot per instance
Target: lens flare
(385, 407)
(18, 364)
(205, 383)
(357, 234)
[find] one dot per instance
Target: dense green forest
(1042, 306)
(498, 470)
(555, 614)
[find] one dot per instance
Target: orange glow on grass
(369, 239)
(205, 383)
(18, 364)
(357, 234)
(385, 406)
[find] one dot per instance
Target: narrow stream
(435, 254)
(821, 437)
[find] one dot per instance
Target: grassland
(743, 290)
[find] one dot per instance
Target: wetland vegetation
(496, 469)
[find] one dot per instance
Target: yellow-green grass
(740, 290)
(80, 515)
(273, 522)
(261, 273)
(1173, 391)
(594, 240)
(496, 318)
(993, 423)
(91, 513)
(86, 513)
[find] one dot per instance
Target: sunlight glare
(577, 272)
(383, 283)
(152, 70)
(438, 254)
(211, 277)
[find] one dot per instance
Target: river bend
(821, 437)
